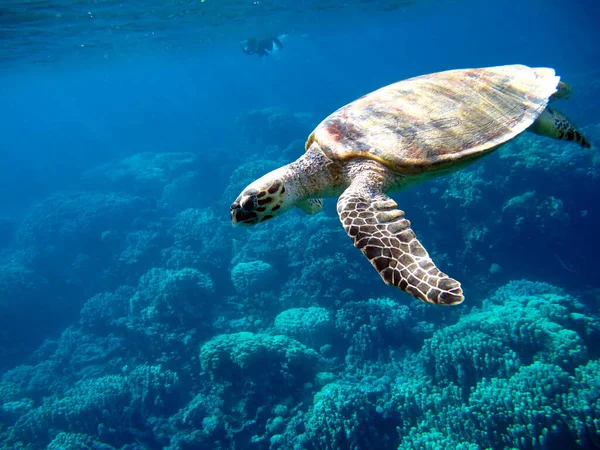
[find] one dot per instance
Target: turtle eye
(248, 203)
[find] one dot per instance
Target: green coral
(501, 338)
(348, 415)
(539, 406)
(374, 327)
(81, 441)
(172, 296)
(258, 356)
(465, 188)
(103, 407)
(527, 419)
(312, 326)
(252, 277)
(583, 405)
(143, 173)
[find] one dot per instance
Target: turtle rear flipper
(563, 91)
(385, 237)
(554, 124)
(310, 205)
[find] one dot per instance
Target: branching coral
(501, 338)
(107, 408)
(349, 415)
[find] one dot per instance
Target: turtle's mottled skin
(399, 135)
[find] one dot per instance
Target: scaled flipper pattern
(554, 124)
(385, 237)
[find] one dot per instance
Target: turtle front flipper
(554, 124)
(385, 237)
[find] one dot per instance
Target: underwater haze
(134, 316)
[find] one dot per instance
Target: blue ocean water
(134, 316)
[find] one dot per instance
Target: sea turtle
(399, 135)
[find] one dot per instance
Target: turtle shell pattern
(434, 121)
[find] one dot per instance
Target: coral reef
(314, 326)
(241, 356)
(274, 126)
(158, 326)
(144, 174)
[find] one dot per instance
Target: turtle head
(262, 200)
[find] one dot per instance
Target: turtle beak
(241, 217)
